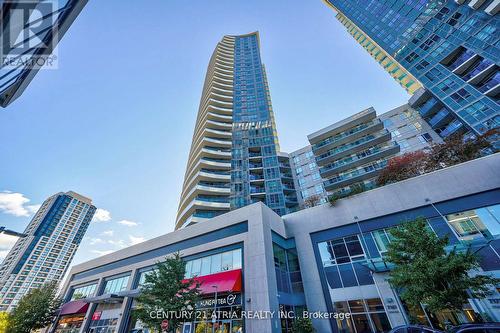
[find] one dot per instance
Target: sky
(114, 121)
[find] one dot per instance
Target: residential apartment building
(450, 47)
(45, 253)
(234, 158)
(327, 259)
(407, 130)
(308, 181)
(351, 152)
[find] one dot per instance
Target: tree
(303, 325)
(4, 322)
(35, 310)
(312, 201)
(456, 149)
(403, 167)
(167, 291)
(428, 274)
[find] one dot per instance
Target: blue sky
(114, 122)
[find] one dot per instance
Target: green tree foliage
(428, 274)
(35, 310)
(303, 325)
(166, 290)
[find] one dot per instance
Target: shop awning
(74, 307)
(229, 281)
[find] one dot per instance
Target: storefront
(220, 309)
(71, 317)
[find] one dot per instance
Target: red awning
(229, 281)
(74, 307)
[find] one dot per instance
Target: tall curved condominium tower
(234, 158)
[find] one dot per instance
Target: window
(403, 143)
(219, 262)
(83, 292)
(116, 285)
(382, 239)
(478, 223)
(368, 315)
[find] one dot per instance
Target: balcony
(257, 191)
(290, 201)
(365, 157)
(215, 163)
(349, 135)
(256, 179)
(254, 165)
(429, 108)
(286, 175)
(441, 118)
(354, 176)
(350, 148)
(288, 187)
(454, 127)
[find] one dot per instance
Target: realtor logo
(29, 32)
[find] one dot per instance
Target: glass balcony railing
(216, 160)
(351, 145)
(207, 214)
(255, 165)
(254, 189)
(485, 63)
(466, 55)
(286, 175)
(425, 109)
(213, 199)
(356, 173)
(217, 185)
(453, 127)
(219, 150)
(215, 172)
(357, 157)
(345, 134)
(491, 83)
(439, 117)
(256, 177)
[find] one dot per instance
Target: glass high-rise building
(234, 158)
(451, 47)
(44, 254)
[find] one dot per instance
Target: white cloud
(33, 208)
(6, 243)
(102, 215)
(128, 223)
(102, 252)
(136, 240)
(108, 233)
(119, 243)
(94, 241)
(14, 204)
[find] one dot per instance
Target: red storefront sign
(229, 281)
(96, 315)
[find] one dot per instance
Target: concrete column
(92, 307)
(393, 307)
(260, 280)
(127, 303)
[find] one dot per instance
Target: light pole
(214, 315)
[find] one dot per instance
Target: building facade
(325, 259)
(450, 47)
(44, 254)
(308, 181)
(407, 130)
(351, 152)
(234, 158)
